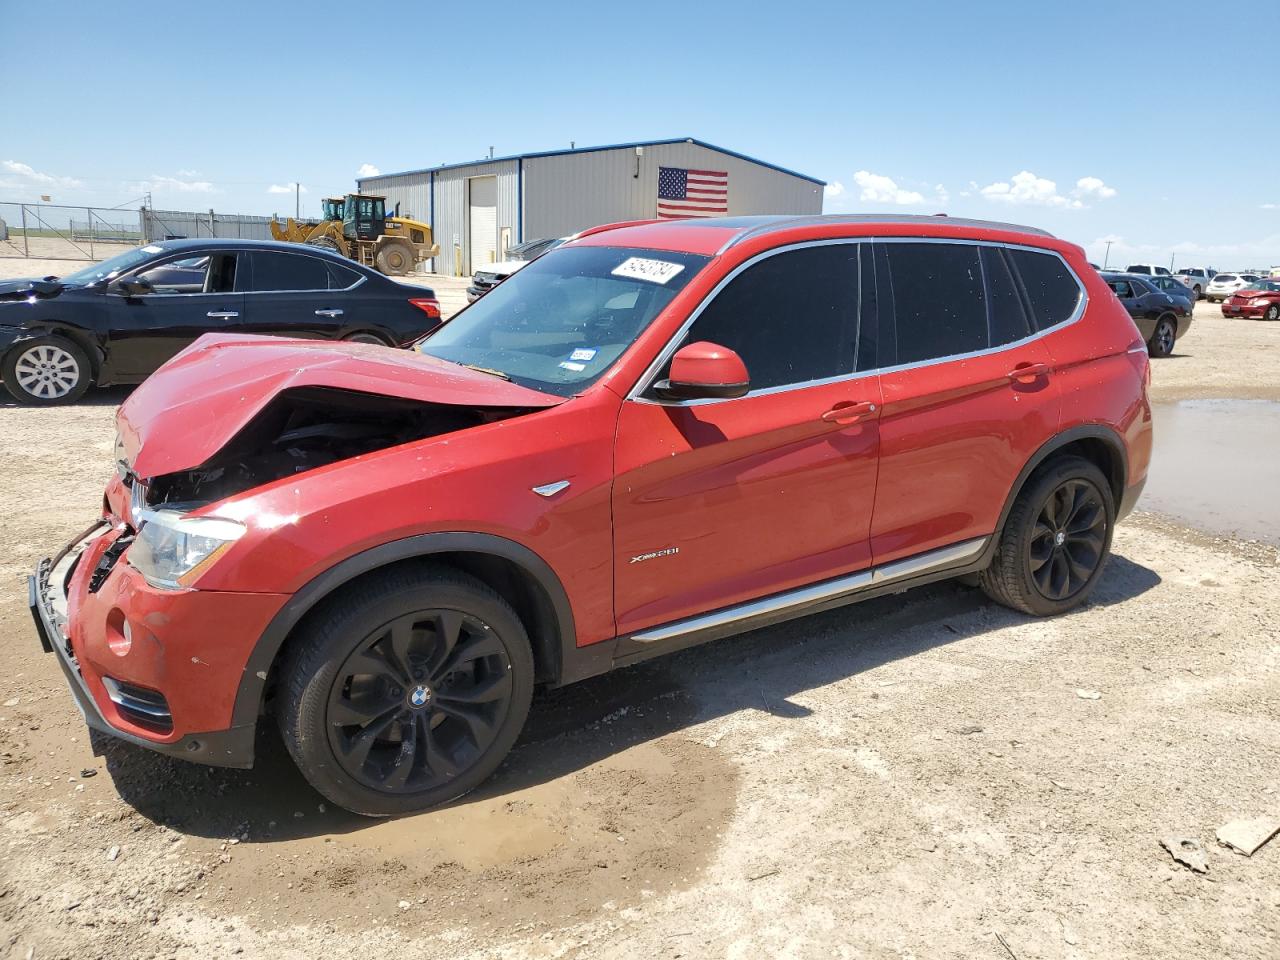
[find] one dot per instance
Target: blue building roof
(610, 146)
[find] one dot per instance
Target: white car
(1225, 284)
(518, 256)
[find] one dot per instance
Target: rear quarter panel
(1101, 366)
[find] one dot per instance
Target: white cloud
(1230, 255)
(1092, 187)
(940, 193)
(188, 173)
(1028, 189)
(876, 188)
(285, 188)
(1270, 206)
(832, 190)
(367, 170)
(32, 175)
(159, 184)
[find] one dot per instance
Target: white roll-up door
(482, 219)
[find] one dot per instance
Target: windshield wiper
(489, 370)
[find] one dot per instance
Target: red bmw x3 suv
(655, 435)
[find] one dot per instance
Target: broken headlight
(171, 549)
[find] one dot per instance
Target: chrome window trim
(245, 293)
(646, 379)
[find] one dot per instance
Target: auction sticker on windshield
(652, 271)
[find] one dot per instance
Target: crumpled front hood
(193, 405)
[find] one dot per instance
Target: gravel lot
(925, 775)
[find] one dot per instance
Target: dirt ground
(921, 776)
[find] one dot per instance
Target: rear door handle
(1029, 371)
(850, 412)
(329, 313)
(222, 314)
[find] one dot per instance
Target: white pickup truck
(1197, 278)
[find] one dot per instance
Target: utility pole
(1107, 258)
(297, 200)
(1171, 258)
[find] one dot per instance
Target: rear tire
(1055, 541)
(45, 371)
(1163, 338)
(395, 259)
(405, 691)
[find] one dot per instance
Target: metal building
(479, 210)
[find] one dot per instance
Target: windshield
(562, 321)
(109, 268)
(1272, 285)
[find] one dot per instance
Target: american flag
(692, 193)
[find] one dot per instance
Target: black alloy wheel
(419, 700)
(1068, 540)
(1163, 339)
(405, 689)
(1052, 549)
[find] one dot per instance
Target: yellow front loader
(357, 227)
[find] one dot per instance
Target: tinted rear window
(1050, 287)
(1009, 319)
(288, 271)
(1225, 278)
(939, 302)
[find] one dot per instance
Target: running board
(953, 556)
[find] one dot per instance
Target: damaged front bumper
(83, 594)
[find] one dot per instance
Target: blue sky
(1093, 120)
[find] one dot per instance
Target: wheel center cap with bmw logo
(420, 696)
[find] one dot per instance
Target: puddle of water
(1216, 467)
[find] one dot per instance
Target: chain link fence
(46, 231)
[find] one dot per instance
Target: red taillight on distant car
(428, 305)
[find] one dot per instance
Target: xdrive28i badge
(654, 554)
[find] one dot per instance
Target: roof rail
(610, 226)
(783, 223)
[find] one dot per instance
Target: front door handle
(329, 313)
(1029, 371)
(849, 412)
(222, 314)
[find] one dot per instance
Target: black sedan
(1161, 318)
(118, 320)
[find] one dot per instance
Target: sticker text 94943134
(651, 271)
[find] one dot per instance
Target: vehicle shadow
(96, 397)
(576, 726)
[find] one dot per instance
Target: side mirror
(134, 286)
(704, 370)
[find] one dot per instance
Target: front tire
(395, 259)
(46, 371)
(1272, 312)
(1055, 541)
(1163, 338)
(406, 691)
